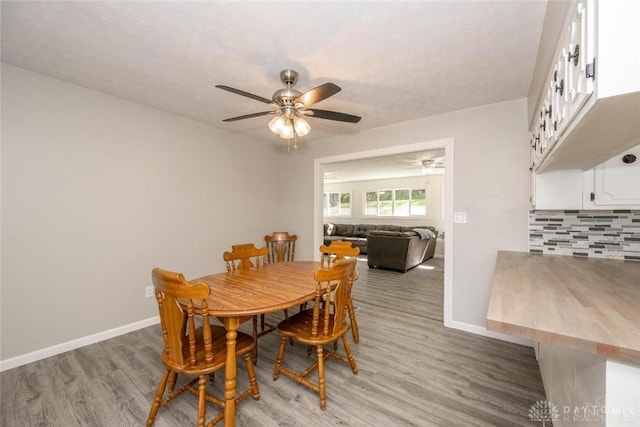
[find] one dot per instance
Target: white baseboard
(479, 330)
(14, 362)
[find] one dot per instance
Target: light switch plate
(460, 217)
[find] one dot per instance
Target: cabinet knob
(548, 112)
(575, 56)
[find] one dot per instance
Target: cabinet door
(617, 181)
(533, 146)
(560, 99)
(532, 188)
(549, 129)
(536, 141)
(579, 87)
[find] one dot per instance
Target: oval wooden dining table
(239, 295)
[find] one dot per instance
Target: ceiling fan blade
(248, 116)
(332, 115)
(317, 94)
(243, 93)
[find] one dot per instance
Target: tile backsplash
(613, 234)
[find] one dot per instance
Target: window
(418, 204)
(399, 202)
(337, 204)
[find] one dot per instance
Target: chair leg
(262, 323)
(171, 384)
(202, 402)
(252, 377)
(254, 352)
(352, 360)
(276, 369)
(354, 323)
(158, 398)
(286, 316)
(322, 390)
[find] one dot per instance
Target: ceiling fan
(428, 166)
(291, 105)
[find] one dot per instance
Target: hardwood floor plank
(412, 371)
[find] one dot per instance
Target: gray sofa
(401, 251)
(387, 246)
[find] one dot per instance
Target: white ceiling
(394, 60)
(383, 167)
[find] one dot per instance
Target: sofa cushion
(343, 230)
(362, 230)
(387, 227)
(389, 233)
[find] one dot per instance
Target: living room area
(391, 207)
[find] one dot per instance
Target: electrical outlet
(149, 291)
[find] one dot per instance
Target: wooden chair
(193, 351)
(242, 257)
(282, 246)
(321, 325)
(339, 249)
(245, 256)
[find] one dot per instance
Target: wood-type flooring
(412, 371)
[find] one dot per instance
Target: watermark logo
(546, 412)
(543, 411)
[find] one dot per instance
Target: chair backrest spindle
(282, 246)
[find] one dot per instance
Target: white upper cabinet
(577, 55)
(615, 183)
(589, 110)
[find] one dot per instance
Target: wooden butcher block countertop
(581, 303)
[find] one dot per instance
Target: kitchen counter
(586, 304)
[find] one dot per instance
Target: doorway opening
(445, 144)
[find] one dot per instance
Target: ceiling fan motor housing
(288, 95)
(285, 96)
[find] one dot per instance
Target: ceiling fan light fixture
(301, 126)
(287, 130)
(428, 170)
(277, 124)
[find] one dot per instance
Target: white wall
(97, 190)
(491, 184)
(432, 183)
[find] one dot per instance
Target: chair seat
(244, 344)
(300, 325)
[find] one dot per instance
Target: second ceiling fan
(291, 106)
